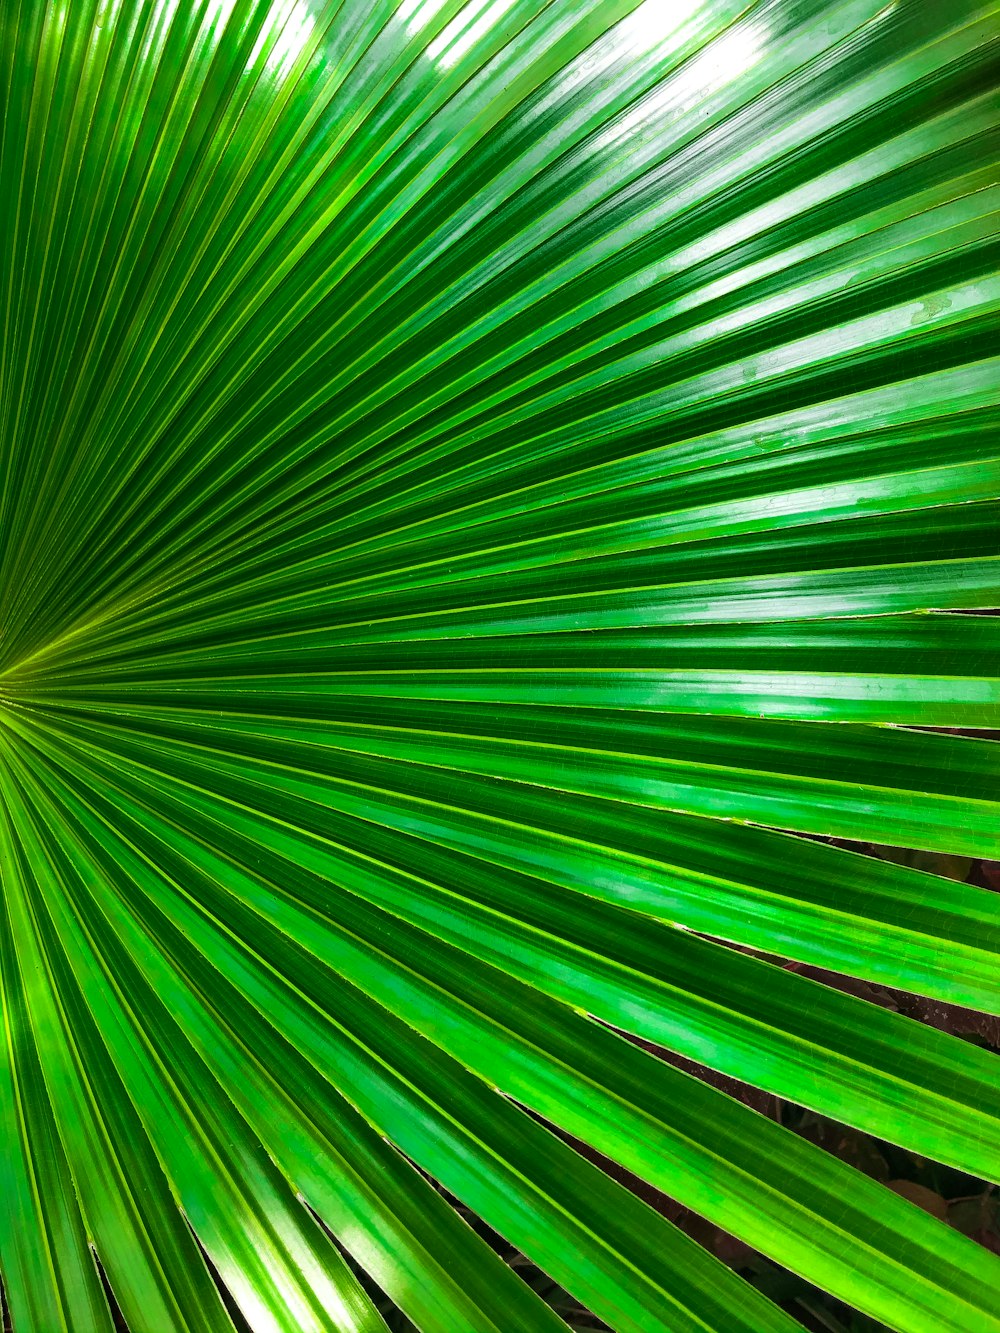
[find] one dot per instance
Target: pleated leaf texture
(490, 490)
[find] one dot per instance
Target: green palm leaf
(460, 459)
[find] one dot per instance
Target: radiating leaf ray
(259, 1238)
(655, 1261)
(49, 1277)
(151, 1258)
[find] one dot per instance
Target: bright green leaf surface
(458, 460)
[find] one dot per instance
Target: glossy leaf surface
(490, 488)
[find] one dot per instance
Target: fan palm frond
(490, 490)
